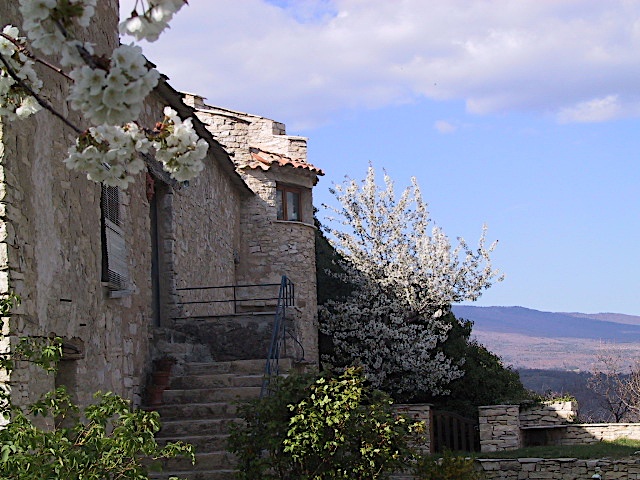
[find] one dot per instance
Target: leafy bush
(258, 442)
(327, 428)
(107, 440)
(109, 443)
(448, 467)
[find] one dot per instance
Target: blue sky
(521, 115)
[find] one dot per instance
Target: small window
(288, 203)
(114, 257)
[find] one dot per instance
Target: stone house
(111, 271)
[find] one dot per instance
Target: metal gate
(450, 431)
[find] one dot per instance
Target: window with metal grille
(288, 201)
(114, 254)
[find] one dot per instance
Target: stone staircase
(198, 408)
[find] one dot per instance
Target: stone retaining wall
(560, 468)
(580, 434)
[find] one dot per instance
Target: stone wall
(580, 434)
(553, 413)
(506, 427)
(51, 248)
(51, 245)
(562, 468)
(499, 428)
(201, 235)
(419, 412)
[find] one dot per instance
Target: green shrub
(447, 467)
(327, 428)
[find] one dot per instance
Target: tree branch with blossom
(108, 92)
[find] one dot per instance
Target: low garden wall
(584, 433)
(560, 468)
(419, 412)
(509, 427)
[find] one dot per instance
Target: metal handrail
(272, 365)
(289, 299)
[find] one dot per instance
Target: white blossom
(406, 275)
(114, 96)
(44, 21)
(181, 151)
(15, 100)
(109, 154)
(27, 107)
(109, 93)
(149, 24)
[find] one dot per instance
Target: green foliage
(330, 280)
(486, 380)
(258, 442)
(327, 428)
(107, 442)
(53, 439)
(448, 467)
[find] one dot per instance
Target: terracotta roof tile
(264, 160)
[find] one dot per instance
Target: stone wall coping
(533, 459)
(489, 407)
(546, 427)
(611, 424)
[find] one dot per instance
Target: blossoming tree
(108, 92)
(406, 275)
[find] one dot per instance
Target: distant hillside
(525, 321)
(527, 338)
(610, 317)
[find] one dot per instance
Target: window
(288, 203)
(114, 254)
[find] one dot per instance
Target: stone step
(204, 461)
(201, 443)
(250, 367)
(196, 411)
(217, 380)
(219, 474)
(186, 427)
(210, 395)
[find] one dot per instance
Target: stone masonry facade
(266, 157)
(220, 229)
(51, 249)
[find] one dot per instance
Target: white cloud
(444, 127)
(306, 61)
(596, 110)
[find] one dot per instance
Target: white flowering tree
(108, 92)
(406, 275)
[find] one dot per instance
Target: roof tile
(264, 160)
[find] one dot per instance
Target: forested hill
(608, 327)
(527, 338)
